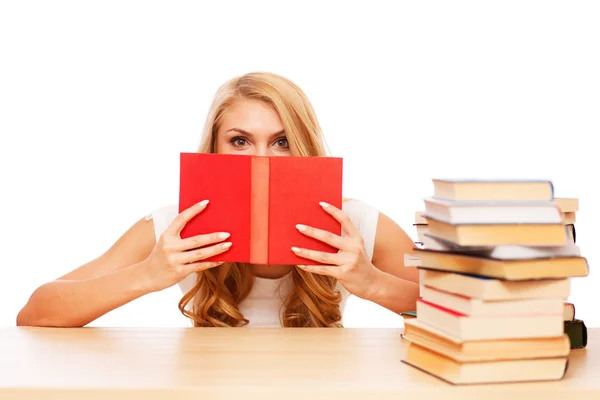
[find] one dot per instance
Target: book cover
(545, 234)
(491, 212)
(477, 307)
(485, 372)
(577, 332)
(510, 270)
(469, 328)
(502, 252)
(494, 289)
(465, 351)
(568, 311)
(259, 201)
(493, 189)
(567, 204)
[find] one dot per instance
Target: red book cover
(259, 201)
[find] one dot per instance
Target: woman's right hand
(174, 258)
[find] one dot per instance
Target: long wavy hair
(218, 292)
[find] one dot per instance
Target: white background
(97, 99)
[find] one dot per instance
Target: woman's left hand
(351, 265)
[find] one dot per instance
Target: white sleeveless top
(262, 306)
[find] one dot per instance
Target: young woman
(260, 114)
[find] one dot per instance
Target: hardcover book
(259, 201)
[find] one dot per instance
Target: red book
(259, 201)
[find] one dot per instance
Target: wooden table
(201, 363)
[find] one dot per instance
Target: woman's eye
(283, 142)
(239, 141)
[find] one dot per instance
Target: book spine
(259, 211)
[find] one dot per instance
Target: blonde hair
(314, 300)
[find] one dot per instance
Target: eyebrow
(243, 132)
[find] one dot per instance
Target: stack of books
(495, 266)
(569, 206)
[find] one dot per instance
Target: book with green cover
(577, 333)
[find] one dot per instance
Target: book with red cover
(259, 201)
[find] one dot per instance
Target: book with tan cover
(498, 234)
(453, 347)
(468, 327)
(505, 371)
(512, 270)
(567, 204)
(485, 288)
(495, 190)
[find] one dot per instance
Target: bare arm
(391, 244)
(398, 286)
(134, 266)
(90, 291)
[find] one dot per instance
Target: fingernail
(203, 203)
(301, 228)
(302, 266)
(323, 204)
(226, 245)
(296, 250)
(223, 235)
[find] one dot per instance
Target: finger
(329, 270)
(324, 236)
(188, 257)
(342, 218)
(319, 256)
(179, 222)
(200, 241)
(201, 266)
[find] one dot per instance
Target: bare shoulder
(133, 246)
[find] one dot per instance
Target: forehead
(256, 117)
